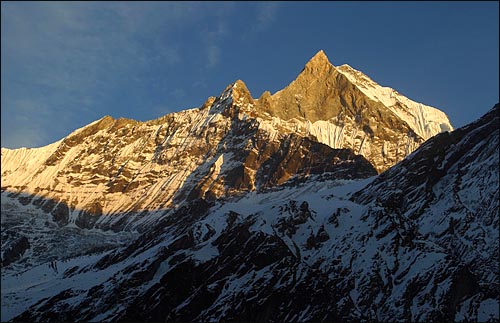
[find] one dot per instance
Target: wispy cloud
(75, 59)
(67, 57)
(213, 39)
(25, 136)
(27, 127)
(213, 55)
(266, 14)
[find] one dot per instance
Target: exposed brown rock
(161, 162)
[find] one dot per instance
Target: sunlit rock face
(303, 205)
(417, 243)
(344, 108)
(328, 119)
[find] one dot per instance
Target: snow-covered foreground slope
(16, 297)
(31, 237)
(417, 243)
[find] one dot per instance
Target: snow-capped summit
(232, 143)
(333, 104)
(235, 210)
(317, 62)
(418, 243)
(425, 120)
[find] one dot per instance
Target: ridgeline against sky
(66, 64)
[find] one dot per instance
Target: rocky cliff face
(416, 243)
(266, 209)
(344, 108)
(116, 174)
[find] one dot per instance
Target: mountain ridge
(320, 250)
(319, 202)
(226, 145)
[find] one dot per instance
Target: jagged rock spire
(318, 63)
(319, 58)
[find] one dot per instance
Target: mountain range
(334, 199)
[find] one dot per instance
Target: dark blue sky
(65, 65)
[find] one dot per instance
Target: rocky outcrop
(13, 248)
(322, 122)
(327, 102)
(418, 243)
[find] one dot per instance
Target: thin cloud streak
(266, 15)
(80, 61)
(68, 57)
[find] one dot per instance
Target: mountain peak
(237, 93)
(240, 93)
(319, 59)
(240, 86)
